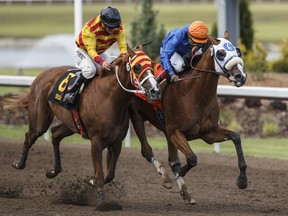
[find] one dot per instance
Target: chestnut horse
(191, 111)
(103, 107)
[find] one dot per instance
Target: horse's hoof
(166, 180)
(191, 202)
(16, 165)
(187, 198)
(52, 174)
(109, 206)
(108, 180)
(101, 196)
(167, 184)
(242, 183)
(90, 181)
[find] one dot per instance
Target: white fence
(223, 90)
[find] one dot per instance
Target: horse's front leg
(146, 150)
(175, 164)
(111, 161)
(58, 133)
(30, 138)
(98, 179)
(180, 142)
(222, 134)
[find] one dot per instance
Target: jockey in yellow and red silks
(98, 35)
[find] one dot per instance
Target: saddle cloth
(60, 88)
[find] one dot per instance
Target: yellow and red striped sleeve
(95, 40)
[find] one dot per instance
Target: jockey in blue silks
(178, 43)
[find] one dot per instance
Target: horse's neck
(207, 80)
(125, 81)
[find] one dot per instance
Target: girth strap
(78, 123)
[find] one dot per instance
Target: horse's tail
(17, 102)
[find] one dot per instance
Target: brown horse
(191, 111)
(103, 109)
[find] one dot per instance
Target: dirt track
(137, 185)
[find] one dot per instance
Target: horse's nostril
(238, 77)
(154, 91)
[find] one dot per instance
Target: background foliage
(145, 28)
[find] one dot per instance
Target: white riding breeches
(177, 62)
(87, 65)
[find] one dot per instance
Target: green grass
(276, 148)
(41, 20)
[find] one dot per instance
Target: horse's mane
(206, 46)
(196, 59)
(104, 72)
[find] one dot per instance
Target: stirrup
(69, 97)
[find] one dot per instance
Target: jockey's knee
(89, 71)
(192, 161)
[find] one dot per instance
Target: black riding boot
(73, 88)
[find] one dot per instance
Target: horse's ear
(226, 35)
(141, 47)
(130, 51)
(212, 39)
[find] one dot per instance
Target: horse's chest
(202, 122)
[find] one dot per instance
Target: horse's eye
(137, 68)
(239, 53)
(220, 54)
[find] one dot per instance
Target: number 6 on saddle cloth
(59, 90)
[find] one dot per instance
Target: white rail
(223, 90)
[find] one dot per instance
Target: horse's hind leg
(38, 125)
(30, 138)
(58, 133)
(146, 150)
(222, 134)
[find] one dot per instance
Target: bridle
(142, 59)
(233, 57)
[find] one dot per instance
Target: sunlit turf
(276, 148)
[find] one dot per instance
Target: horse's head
(227, 60)
(142, 74)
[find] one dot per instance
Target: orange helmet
(198, 32)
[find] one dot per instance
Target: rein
(125, 89)
(207, 71)
(201, 70)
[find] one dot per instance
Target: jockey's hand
(122, 54)
(106, 65)
(174, 78)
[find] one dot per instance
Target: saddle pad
(60, 89)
